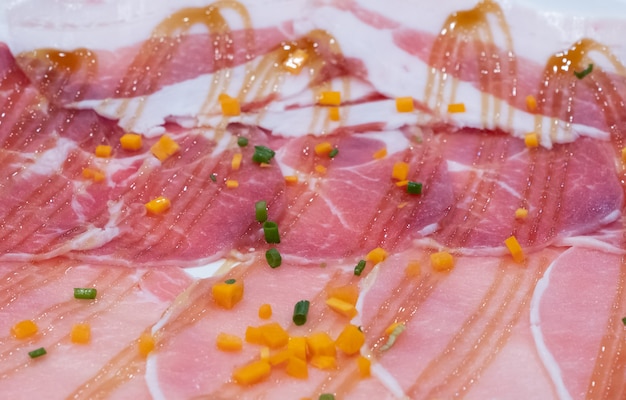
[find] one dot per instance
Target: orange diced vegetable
(265, 311)
(274, 336)
(323, 149)
(164, 148)
(347, 293)
(521, 213)
(333, 114)
(350, 340)
(364, 365)
(377, 255)
(232, 184)
(378, 154)
(400, 171)
(227, 295)
(413, 269)
(297, 368)
(291, 179)
(103, 150)
(402, 183)
(514, 247)
(228, 342)
(131, 141)
(279, 358)
(531, 102)
(330, 98)
(442, 261)
(230, 105)
(456, 108)
(252, 373)
(236, 161)
(324, 362)
(81, 333)
(531, 140)
(297, 347)
(254, 335)
(93, 174)
(404, 104)
(24, 329)
(624, 154)
(389, 330)
(146, 344)
(342, 307)
(158, 205)
(320, 344)
(295, 61)
(320, 169)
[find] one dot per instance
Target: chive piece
(37, 353)
(584, 72)
(300, 312)
(262, 154)
(624, 320)
(333, 152)
(359, 268)
(213, 177)
(326, 396)
(230, 281)
(242, 141)
(270, 229)
(273, 258)
(414, 187)
(260, 210)
(85, 293)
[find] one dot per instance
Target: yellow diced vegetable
(131, 141)
(624, 154)
(230, 105)
(228, 342)
(342, 307)
(382, 153)
(254, 335)
(377, 255)
(521, 213)
(323, 149)
(81, 333)
(531, 102)
(24, 329)
(252, 373)
(364, 365)
(333, 114)
(402, 183)
(291, 179)
(404, 104)
(456, 108)
(320, 169)
(297, 347)
(324, 362)
(297, 368)
(227, 295)
(103, 150)
(442, 261)
(330, 98)
(320, 344)
(350, 340)
(236, 161)
(274, 336)
(265, 311)
(400, 171)
(279, 358)
(413, 269)
(146, 344)
(158, 205)
(514, 247)
(93, 174)
(232, 184)
(531, 140)
(347, 293)
(164, 148)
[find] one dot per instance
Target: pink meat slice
(128, 302)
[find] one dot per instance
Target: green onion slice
(327, 396)
(213, 177)
(584, 72)
(359, 268)
(414, 187)
(273, 258)
(262, 154)
(37, 353)
(230, 281)
(260, 210)
(85, 293)
(270, 229)
(333, 152)
(624, 320)
(242, 141)
(300, 312)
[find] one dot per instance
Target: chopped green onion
(624, 320)
(260, 210)
(300, 312)
(414, 187)
(37, 353)
(584, 72)
(242, 141)
(333, 152)
(270, 229)
(213, 177)
(230, 281)
(273, 258)
(359, 268)
(262, 154)
(326, 396)
(85, 293)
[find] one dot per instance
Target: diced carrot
(265, 311)
(323, 149)
(131, 141)
(236, 161)
(400, 171)
(320, 169)
(228, 342)
(252, 373)
(227, 295)
(24, 329)
(164, 148)
(404, 104)
(254, 335)
(297, 368)
(350, 340)
(521, 213)
(230, 105)
(531, 102)
(158, 205)
(624, 154)
(342, 307)
(93, 174)
(291, 179)
(296, 61)
(103, 150)
(402, 183)
(146, 344)
(413, 269)
(381, 153)
(80, 333)
(320, 344)
(324, 362)
(364, 365)
(232, 184)
(377, 255)
(279, 358)
(333, 114)
(456, 108)
(348, 293)
(274, 336)
(297, 347)
(330, 98)
(442, 261)
(514, 247)
(531, 140)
